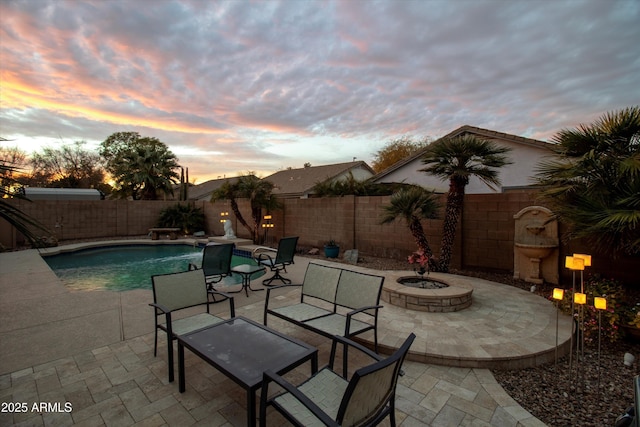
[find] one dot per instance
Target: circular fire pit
(443, 294)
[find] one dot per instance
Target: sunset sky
(237, 86)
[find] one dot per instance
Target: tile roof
(297, 182)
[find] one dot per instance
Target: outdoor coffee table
(242, 350)
(246, 270)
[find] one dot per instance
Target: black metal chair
(278, 262)
(330, 399)
(216, 262)
(177, 291)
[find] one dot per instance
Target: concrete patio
(94, 350)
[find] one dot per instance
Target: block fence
(484, 239)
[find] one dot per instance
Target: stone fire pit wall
(457, 296)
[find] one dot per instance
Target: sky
(261, 86)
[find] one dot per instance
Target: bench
(333, 301)
(155, 232)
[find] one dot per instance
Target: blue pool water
(122, 268)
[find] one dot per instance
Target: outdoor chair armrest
(270, 376)
(258, 253)
(347, 325)
(232, 304)
(351, 343)
(160, 307)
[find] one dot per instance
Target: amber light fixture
(580, 298)
(558, 294)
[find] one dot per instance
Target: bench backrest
(358, 289)
(180, 290)
(321, 282)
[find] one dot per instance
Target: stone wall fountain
(535, 256)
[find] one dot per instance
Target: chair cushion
(191, 323)
(325, 389)
(335, 324)
(301, 312)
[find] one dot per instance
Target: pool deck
(95, 350)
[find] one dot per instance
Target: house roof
(464, 130)
(298, 182)
(203, 191)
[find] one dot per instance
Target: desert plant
(184, 216)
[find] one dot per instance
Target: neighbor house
(299, 183)
(525, 155)
(205, 190)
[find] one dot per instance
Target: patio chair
(330, 399)
(278, 262)
(216, 262)
(177, 291)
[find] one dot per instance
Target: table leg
(181, 379)
(251, 407)
(314, 363)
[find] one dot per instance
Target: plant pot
(331, 251)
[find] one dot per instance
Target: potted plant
(331, 249)
(420, 261)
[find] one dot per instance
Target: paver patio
(94, 350)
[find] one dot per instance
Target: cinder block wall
(484, 239)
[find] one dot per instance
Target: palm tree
(24, 223)
(258, 192)
(457, 160)
(412, 204)
(229, 191)
(593, 182)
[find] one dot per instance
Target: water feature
(535, 240)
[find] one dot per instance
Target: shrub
(611, 318)
(186, 217)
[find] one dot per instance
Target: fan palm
(412, 204)
(22, 222)
(457, 160)
(593, 181)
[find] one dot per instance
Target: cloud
(266, 85)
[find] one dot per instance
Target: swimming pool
(122, 268)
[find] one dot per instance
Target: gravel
(595, 392)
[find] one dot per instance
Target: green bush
(611, 319)
(186, 217)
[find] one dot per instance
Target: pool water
(122, 268)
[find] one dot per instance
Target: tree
(396, 150)
(350, 185)
(24, 223)
(593, 181)
(413, 204)
(259, 193)
(142, 167)
(457, 160)
(70, 166)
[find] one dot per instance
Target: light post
(558, 295)
(587, 263)
(573, 264)
(266, 226)
(600, 304)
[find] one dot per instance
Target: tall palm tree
(457, 160)
(593, 182)
(412, 204)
